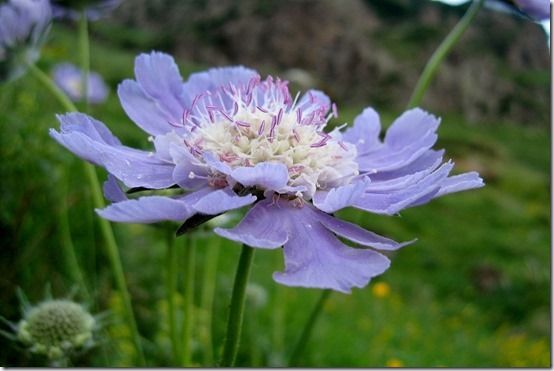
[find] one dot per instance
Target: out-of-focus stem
(72, 262)
(171, 288)
(105, 227)
(307, 331)
(207, 297)
(85, 57)
(188, 301)
(442, 51)
(236, 310)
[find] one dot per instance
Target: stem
(69, 248)
(85, 56)
(115, 259)
(441, 53)
(105, 227)
(207, 297)
(188, 302)
(278, 319)
(52, 88)
(236, 310)
(307, 332)
(171, 282)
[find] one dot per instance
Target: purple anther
(272, 130)
(279, 116)
(175, 125)
(298, 116)
(226, 115)
(248, 99)
(295, 135)
(242, 123)
(195, 100)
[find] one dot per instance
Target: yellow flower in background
(393, 362)
(380, 290)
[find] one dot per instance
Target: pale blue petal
(270, 176)
(222, 200)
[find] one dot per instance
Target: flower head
(23, 28)
(55, 328)
(94, 9)
(69, 78)
(228, 138)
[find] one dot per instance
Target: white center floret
(277, 131)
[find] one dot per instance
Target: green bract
(56, 327)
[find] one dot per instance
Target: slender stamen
(261, 129)
(299, 116)
(226, 115)
(242, 123)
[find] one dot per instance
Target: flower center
(259, 123)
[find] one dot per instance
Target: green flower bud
(56, 327)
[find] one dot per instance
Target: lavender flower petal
(271, 176)
(359, 235)
(144, 111)
(158, 75)
(215, 78)
(340, 197)
(409, 137)
(149, 209)
(259, 228)
(222, 200)
(314, 257)
(92, 141)
(24, 25)
(314, 100)
(189, 175)
(365, 132)
(460, 182)
(112, 190)
(392, 202)
(69, 78)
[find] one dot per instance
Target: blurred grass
(473, 291)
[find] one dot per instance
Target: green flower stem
(207, 297)
(84, 47)
(52, 88)
(188, 301)
(72, 262)
(105, 227)
(236, 310)
(115, 259)
(171, 284)
(307, 332)
(442, 51)
(278, 317)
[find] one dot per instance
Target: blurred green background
(473, 291)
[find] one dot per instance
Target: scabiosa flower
(69, 78)
(23, 28)
(228, 139)
(94, 9)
